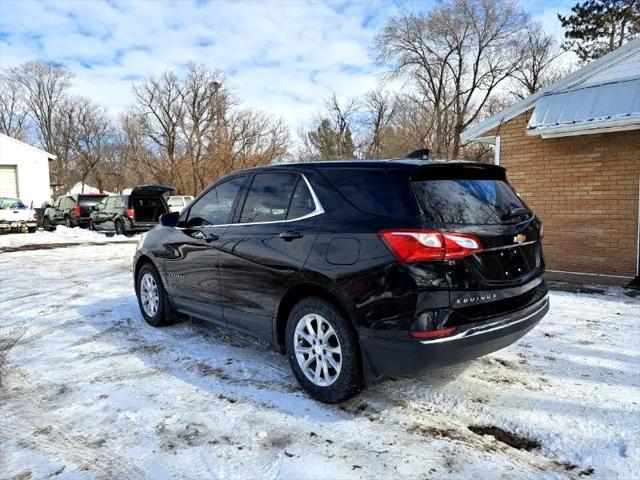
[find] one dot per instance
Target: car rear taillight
(76, 210)
(429, 245)
(431, 334)
(131, 213)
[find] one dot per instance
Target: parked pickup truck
(15, 216)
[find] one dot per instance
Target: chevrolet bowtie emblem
(521, 237)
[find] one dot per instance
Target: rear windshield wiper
(515, 212)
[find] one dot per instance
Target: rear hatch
(87, 203)
(148, 203)
(476, 200)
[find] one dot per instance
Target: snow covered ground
(88, 390)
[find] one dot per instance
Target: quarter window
(301, 202)
(271, 196)
(214, 208)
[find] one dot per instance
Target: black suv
(70, 210)
(354, 269)
(135, 212)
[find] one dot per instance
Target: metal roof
(612, 72)
(587, 107)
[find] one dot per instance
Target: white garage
(24, 172)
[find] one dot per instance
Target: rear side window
(469, 201)
(269, 197)
(377, 191)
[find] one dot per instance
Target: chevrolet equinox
(354, 269)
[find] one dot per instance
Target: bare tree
(538, 69)
(92, 140)
(161, 109)
(206, 102)
(43, 88)
(13, 111)
(456, 54)
(379, 109)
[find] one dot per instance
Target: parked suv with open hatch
(353, 269)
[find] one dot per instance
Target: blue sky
(282, 56)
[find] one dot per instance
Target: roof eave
(586, 128)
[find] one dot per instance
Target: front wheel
(323, 351)
(92, 225)
(152, 298)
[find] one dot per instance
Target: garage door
(8, 181)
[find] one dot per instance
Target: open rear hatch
(148, 202)
(88, 201)
(473, 199)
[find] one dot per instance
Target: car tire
(152, 298)
(333, 371)
(92, 225)
(67, 221)
(32, 229)
(119, 227)
(46, 225)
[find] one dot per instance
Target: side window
(268, 198)
(57, 204)
(70, 203)
(301, 202)
(110, 203)
(214, 208)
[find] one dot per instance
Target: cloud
(282, 57)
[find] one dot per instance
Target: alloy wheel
(317, 350)
(149, 294)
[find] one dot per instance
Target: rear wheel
(67, 221)
(32, 229)
(152, 298)
(120, 227)
(323, 351)
(46, 224)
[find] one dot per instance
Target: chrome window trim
(319, 210)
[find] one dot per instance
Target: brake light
(429, 245)
(131, 213)
(76, 210)
(430, 334)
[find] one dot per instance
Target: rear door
(479, 201)
(270, 240)
(191, 258)
(87, 204)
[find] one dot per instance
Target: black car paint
(341, 256)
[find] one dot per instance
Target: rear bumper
(390, 356)
(17, 225)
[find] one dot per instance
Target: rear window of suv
(378, 191)
(469, 201)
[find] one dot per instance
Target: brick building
(572, 151)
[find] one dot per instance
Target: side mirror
(169, 219)
(46, 205)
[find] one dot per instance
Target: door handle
(290, 235)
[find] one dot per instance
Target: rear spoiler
(458, 171)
